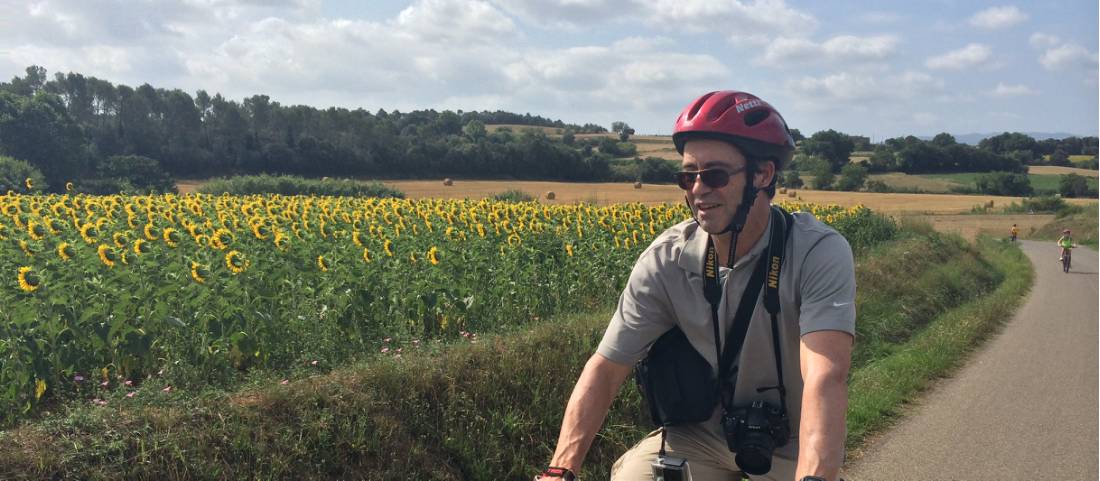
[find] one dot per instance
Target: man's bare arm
(597, 386)
(825, 357)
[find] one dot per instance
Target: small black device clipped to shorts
(667, 468)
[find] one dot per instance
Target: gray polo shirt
(817, 291)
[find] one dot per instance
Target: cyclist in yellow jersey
(1014, 231)
(1066, 243)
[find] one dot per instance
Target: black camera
(753, 432)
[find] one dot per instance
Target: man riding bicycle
(743, 318)
(1014, 232)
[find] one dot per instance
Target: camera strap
(769, 264)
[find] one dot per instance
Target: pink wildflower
(167, 389)
(78, 378)
(385, 350)
(314, 363)
(131, 394)
(284, 382)
(129, 382)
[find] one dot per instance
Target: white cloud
(1041, 40)
(795, 52)
(465, 21)
(1003, 90)
(1067, 55)
(972, 55)
(998, 17)
(771, 17)
(850, 88)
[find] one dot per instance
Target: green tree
(14, 174)
(852, 177)
(790, 179)
(39, 130)
(143, 173)
(1004, 183)
(1073, 185)
(831, 145)
(1060, 158)
(568, 137)
(823, 176)
(943, 139)
(474, 130)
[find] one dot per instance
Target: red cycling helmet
(743, 119)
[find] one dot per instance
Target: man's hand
(597, 386)
(825, 358)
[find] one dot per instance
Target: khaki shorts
(708, 457)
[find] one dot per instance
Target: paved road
(1025, 405)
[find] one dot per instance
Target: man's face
(714, 207)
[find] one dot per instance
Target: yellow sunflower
(236, 262)
(220, 239)
(120, 239)
(68, 186)
(171, 237)
(366, 255)
(88, 232)
(106, 255)
(388, 247)
(321, 264)
(65, 251)
(28, 281)
(26, 248)
(29, 183)
(141, 247)
(151, 232)
(355, 238)
(433, 256)
(3, 232)
(35, 230)
(281, 240)
(198, 272)
(569, 249)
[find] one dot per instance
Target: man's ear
(765, 171)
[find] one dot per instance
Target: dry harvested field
(969, 226)
(608, 193)
(1056, 170)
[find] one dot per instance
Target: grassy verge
(487, 408)
(1083, 224)
(879, 389)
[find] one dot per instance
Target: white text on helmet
(743, 106)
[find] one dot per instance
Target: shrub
(1073, 185)
(143, 173)
(877, 186)
(1004, 183)
(514, 195)
(14, 174)
(852, 177)
(1046, 204)
(293, 185)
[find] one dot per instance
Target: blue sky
(874, 68)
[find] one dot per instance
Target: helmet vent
(756, 116)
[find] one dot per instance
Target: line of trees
(68, 126)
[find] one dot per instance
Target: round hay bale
(637, 185)
(792, 193)
(783, 190)
(550, 195)
(448, 182)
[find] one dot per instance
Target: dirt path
(1024, 406)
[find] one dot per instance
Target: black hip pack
(677, 382)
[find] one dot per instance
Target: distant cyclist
(1066, 243)
(1015, 230)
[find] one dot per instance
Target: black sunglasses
(713, 178)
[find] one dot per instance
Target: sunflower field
(103, 291)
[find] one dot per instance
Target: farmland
(102, 292)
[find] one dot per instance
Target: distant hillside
(973, 139)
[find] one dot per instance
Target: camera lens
(753, 461)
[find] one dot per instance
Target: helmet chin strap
(737, 223)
